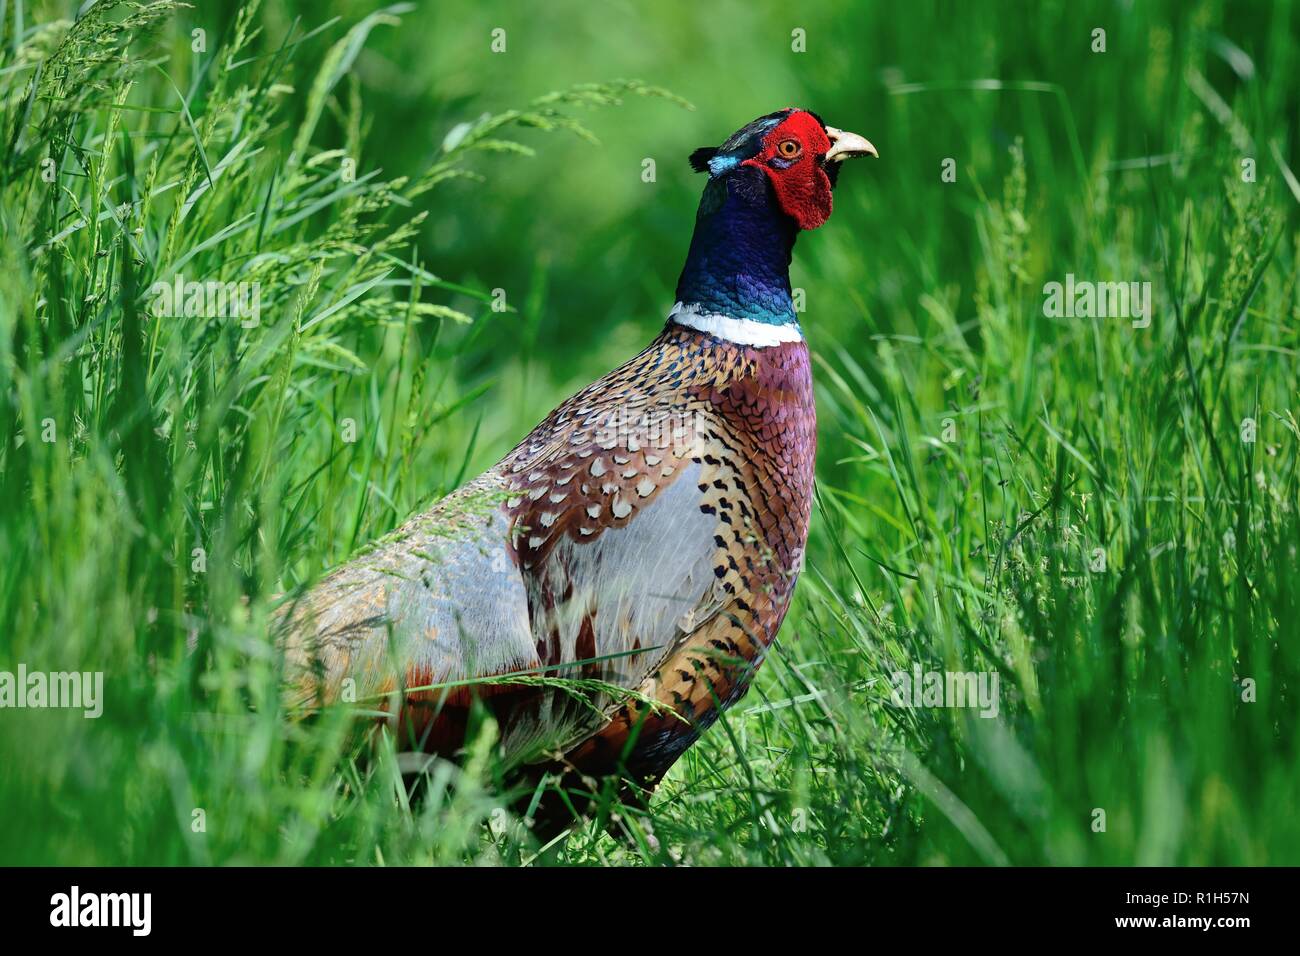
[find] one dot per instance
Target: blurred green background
(590, 253)
(975, 454)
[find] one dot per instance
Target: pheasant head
(768, 181)
(798, 154)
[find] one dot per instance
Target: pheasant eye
(789, 149)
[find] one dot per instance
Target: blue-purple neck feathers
(739, 261)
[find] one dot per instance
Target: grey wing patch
(439, 600)
(633, 593)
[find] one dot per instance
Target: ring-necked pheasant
(646, 535)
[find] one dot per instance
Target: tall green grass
(1066, 502)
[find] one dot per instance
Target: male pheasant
(645, 537)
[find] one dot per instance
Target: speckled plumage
(732, 438)
(646, 536)
(694, 459)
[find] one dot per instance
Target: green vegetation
(1101, 513)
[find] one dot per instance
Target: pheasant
(643, 541)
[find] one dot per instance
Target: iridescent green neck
(739, 261)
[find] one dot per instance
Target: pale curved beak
(846, 145)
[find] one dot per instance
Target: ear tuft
(700, 158)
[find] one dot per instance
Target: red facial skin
(802, 188)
